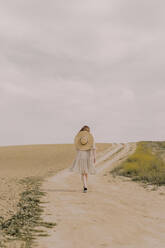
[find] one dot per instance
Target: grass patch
(145, 164)
(22, 225)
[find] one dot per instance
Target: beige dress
(84, 161)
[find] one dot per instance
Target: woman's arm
(94, 155)
(94, 152)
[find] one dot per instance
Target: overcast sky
(65, 64)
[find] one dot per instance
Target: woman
(85, 160)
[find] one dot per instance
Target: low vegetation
(26, 224)
(20, 208)
(146, 164)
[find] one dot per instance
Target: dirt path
(115, 212)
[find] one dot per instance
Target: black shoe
(85, 189)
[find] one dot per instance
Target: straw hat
(83, 140)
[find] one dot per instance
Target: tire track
(77, 214)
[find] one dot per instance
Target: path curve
(113, 213)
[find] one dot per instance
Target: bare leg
(86, 175)
(83, 178)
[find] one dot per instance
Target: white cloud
(66, 64)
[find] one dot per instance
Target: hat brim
(88, 145)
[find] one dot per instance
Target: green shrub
(143, 165)
(22, 225)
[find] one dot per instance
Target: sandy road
(115, 212)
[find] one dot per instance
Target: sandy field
(17, 162)
(115, 212)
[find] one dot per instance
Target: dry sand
(17, 162)
(115, 212)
